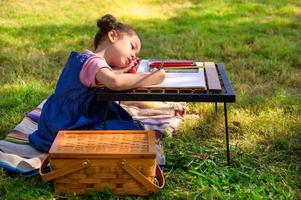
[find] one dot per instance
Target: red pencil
(172, 63)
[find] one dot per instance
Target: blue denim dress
(73, 106)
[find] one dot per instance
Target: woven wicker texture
(99, 143)
(85, 161)
(103, 173)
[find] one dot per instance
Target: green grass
(260, 44)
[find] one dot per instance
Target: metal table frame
(227, 95)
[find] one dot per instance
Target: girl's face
(123, 49)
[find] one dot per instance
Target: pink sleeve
(89, 70)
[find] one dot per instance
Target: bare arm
(118, 82)
(121, 70)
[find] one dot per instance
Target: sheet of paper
(183, 80)
(179, 79)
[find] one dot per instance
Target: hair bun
(107, 22)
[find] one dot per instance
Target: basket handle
(61, 172)
(142, 179)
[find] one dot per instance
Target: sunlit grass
(17, 99)
(259, 42)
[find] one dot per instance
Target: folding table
(225, 95)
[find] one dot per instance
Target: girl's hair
(108, 23)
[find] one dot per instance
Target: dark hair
(108, 23)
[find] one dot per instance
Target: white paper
(177, 80)
(183, 80)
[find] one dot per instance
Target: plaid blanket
(17, 156)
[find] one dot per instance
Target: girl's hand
(159, 75)
(133, 66)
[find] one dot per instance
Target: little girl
(73, 105)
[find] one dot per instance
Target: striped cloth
(17, 156)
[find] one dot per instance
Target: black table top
(227, 94)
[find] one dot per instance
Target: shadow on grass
(198, 139)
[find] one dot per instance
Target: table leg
(215, 107)
(106, 104)
(227, 134)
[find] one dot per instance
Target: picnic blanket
(16, 155)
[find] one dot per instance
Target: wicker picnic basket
(85, 161)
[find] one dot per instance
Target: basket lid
(104, 144)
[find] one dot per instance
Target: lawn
(258, 41)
